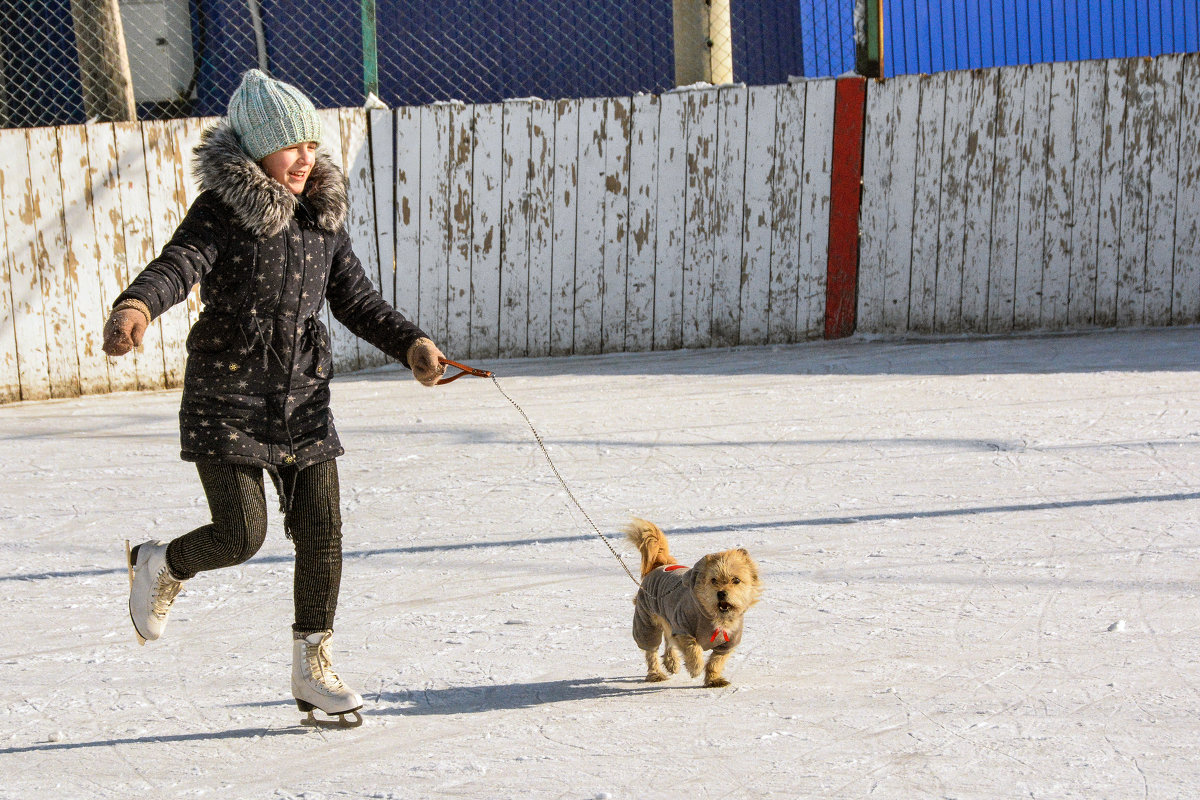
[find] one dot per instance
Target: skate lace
(166, 589)
(321, 667)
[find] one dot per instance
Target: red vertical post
(841, 287)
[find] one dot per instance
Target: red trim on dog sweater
(674, 567)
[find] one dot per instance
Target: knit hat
(269, 115)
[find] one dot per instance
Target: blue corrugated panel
(936, 35)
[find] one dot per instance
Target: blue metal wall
(936, 35)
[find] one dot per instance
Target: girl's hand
(422, 359)
(124, 331)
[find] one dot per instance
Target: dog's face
(726, 584)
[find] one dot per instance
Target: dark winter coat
(256, 386)
(669, 592)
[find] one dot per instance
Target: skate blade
(129, 564)
(341, 722)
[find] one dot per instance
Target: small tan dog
(694, 609)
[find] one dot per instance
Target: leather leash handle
(478, 373)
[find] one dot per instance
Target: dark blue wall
(41, 71)
(484, 50)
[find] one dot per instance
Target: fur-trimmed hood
(260, 203)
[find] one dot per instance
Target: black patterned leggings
(239, 526)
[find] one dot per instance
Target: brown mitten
(125, 327)
(422, 359)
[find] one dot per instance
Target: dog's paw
(671, 662)
(655, 677)
(715, 683)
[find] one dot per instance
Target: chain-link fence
(70, 61)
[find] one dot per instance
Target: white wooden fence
(1044, 197)
(691, 219)
(529, 227)
(83, 209)
(1052, 196)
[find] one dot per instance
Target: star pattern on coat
(270, 268)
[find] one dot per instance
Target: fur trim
(261, 204)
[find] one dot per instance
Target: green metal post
(868, 55)
(874, 39)
(370, 50)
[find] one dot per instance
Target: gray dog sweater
(667, 592)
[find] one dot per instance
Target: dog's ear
(750, 563)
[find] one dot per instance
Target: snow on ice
(980, 559)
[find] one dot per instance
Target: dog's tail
(651, 542)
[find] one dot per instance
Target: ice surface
(947, 530)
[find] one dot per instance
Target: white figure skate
(316, 686)
(152, 589)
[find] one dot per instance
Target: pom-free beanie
(269, 115)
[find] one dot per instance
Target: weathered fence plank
(643, 222)
(360, 220)
(957, 137)
(670, 221)
(459, 248)
(381, 128)
(877, 185)
(1006, 182)
(1140, 117)
(1112, 160)
(139, 243)
(927, 196)
(816, 191)
(616, 224)
(10, 376)
(435, 219)
(589, 255)
(1060, 202)
(50, 251)
(104, 174)
(1164, 78)
(565, 216)
(1185, 308)
(514, 251)
(541, 227)
(699, 238)
(21, 220)
(409, 211)
(81, 260)
(1085, 187)
(762, 107)
(897, 278)
(1031, 212)
(981, 168)
(727, 222)
(486, 213)
(787, 221)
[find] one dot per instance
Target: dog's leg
(670, 658)
(654, 673)
(713, 669)
(693, 656)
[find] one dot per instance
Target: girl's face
(291, 165)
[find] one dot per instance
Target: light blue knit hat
(269, 115)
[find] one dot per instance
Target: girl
(266, 241)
